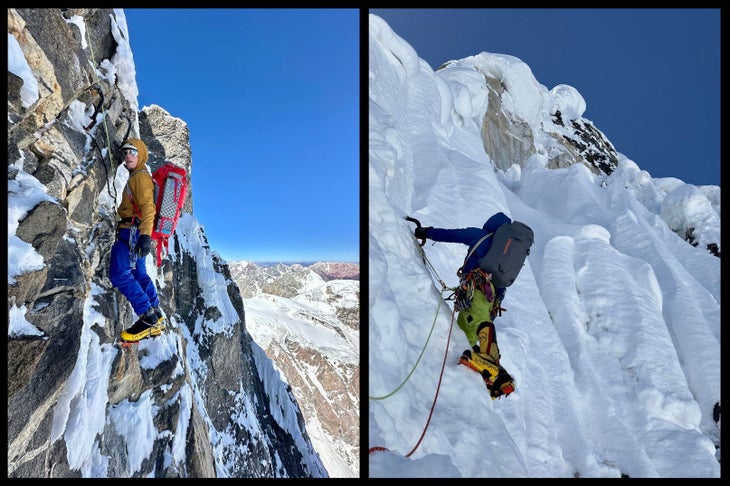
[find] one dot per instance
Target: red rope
(441, 375)
(376, 449)
(435, 398)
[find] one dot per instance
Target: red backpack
(171, 187)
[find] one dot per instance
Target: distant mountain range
(287, 280)
(307, 320)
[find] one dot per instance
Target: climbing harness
(476, 279)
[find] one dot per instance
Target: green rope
(430, 267)
(423, 350)
(428, 264)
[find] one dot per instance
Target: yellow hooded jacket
(143, 189)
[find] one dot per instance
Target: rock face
(323, 371)
(202, 400)
(507, 135)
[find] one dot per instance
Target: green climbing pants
(479, 312)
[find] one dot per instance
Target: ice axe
(418, 224)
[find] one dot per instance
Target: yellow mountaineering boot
(503, 385)
(480, 363)
(485, 355)
(498, 381)
(161, 321)
(149, 324)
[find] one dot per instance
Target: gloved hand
(420, 232)
(144, 246)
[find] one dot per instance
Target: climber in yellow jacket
(127, 270)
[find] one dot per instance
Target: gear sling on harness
(476, 278)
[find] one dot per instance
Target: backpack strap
(137, 211)
(128, 191)
(159, 251)
(138, 217)
(471, 252)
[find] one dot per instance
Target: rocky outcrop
(507, 133)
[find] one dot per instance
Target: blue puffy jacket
(470, 237)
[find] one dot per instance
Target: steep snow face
(612, 329)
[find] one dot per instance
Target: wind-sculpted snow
(611, 330)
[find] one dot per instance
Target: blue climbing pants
(128, 274)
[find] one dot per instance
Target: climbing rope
(425, 259)
(376, 449)
(438, 388)
(97, 83)
(428, 264)
(423, 350)
(435, 398)
(97, 109)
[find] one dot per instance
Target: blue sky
(271, 98)
(650, 77)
